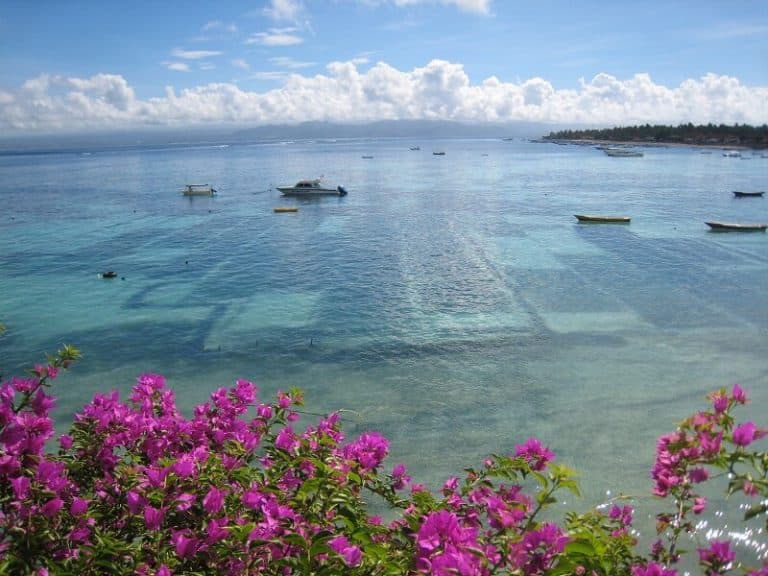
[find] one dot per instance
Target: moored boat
(734, 227)
(603, 219)
(622, 153)
(311, 188)
(199, 190)
(740, 194)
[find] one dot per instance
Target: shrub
(137, 488)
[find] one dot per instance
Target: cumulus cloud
(438, 90)
(276, 37)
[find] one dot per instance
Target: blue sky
(101, 64)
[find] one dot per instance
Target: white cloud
(284, 10)
(276, 37)
(438, 90)
(478, 6)
(177, 66)
(286, 62)
(240, 63)
(219, 26)
(194, 54)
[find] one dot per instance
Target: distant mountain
(130, 139)
(393, 129)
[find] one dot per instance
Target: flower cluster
(242, 487)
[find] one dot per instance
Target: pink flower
(351, 554)
(52, 507)
(78, 507)
(153, 517)
(718, 556)
(699, 505)
(534, 453)
(65, 441)
(214, 500)
(652, 569)
(186, 547)
(746, 433)
(738, 395)
(719, 401)
(20, 486)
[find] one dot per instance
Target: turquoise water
(453, 302)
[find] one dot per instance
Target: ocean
(452, 303)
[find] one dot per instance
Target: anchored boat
(311, 188)
(603, 219)
(733, 227)
(198, 190)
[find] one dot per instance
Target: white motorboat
(311, 188)
(198, 190)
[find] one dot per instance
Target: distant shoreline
(643, 143)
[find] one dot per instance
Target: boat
(109, 274)
(731, 227)
(603, 219)
(366, 157)
(438, 153)
(739, 194)
(280, 209)
(622, 153)
(198, 190)
(731, 154)
(311, 188)
(415, 147)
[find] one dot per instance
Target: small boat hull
(602, 219)
(739, 194)
(733, 227)
(198, 190)
(280, 209)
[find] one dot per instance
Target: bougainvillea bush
(240, 487)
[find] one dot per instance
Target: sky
(89, 65)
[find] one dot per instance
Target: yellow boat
(286, 209)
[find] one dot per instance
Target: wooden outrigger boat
(280, 209)
(739, 194)
(603, 219)
(732, 227)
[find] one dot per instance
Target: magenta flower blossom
(652, 569)
(746, 433)
(399, 477)
(718, 556)
(699, 505)
(214, 500)
(186, 547)
(352, 555)
(738, 395)
(153, 517)
(20, 485)
(78, 507)
(369, 450)
(534, 453)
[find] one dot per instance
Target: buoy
(286, 209)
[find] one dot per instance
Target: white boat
(731, 154)
(198, 190)
(311, 188)
(622, 153)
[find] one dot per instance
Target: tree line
(707, 135)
